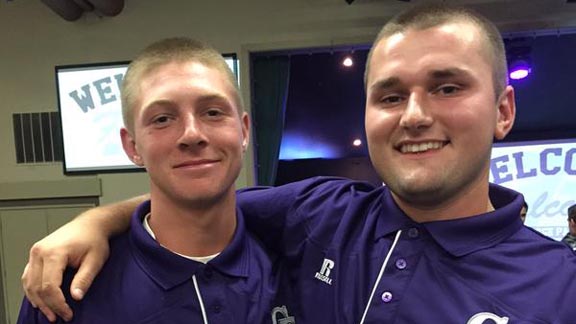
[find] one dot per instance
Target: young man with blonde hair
(187, 257)
(437, 243)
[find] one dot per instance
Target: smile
(196, 164)
(421, 147)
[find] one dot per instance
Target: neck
(469, 202)
(192, 230)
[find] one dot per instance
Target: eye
(161, 120)
(391, 100)
(213, 112)
(447, 90)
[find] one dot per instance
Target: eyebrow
(385, 83)
(448, 73)
(158, 103)
(442, 74)
(214, 97)
(203, 99)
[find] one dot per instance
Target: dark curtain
(270, 80)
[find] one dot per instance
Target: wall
(34, 39)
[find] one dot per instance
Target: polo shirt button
(413, 232)
(386, 296)
(217, 308)
(401, 264)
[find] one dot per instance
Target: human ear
(506, 107)
(245, 131)
(129, 145)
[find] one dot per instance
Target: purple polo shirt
(357, 258)
(143, 282)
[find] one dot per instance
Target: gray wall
(33, 39)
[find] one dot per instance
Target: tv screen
(90, 111)
(545, 173)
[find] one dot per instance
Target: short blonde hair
(169, 50)
(433, 15)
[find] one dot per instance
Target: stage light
(519, 59)
(519, 69)
(357, 142)
(348, 62)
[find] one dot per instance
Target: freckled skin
(188, 133)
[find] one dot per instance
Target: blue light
(519, 74)
(519, 69)
(297, 146)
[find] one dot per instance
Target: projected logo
(545, 173)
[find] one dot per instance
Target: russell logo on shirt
(482, 318)
(324, 273)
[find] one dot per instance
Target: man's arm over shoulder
(81, 244)
(283, 217)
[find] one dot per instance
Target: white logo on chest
(480, 318)
(324, 273)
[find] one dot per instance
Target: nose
(415, 115)
(192, 133)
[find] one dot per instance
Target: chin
(418, 193)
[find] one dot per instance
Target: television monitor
(90, 113)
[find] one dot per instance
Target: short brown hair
(572, 212)
(432, 15)
(169, 50)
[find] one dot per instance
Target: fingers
(51, 291)
(55, 304)
(29, 277)
(42, 279)
(48, 313)
(89, 268)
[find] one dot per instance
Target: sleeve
(30, 315)
(284, 217)
(268, 211)
(563, 285)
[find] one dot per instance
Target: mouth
(195, 163)
(415, 148)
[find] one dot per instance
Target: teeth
(422, 147)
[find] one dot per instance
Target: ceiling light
(519, 59)
(348, 62)
(519, 69)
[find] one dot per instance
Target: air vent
(37, 137)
